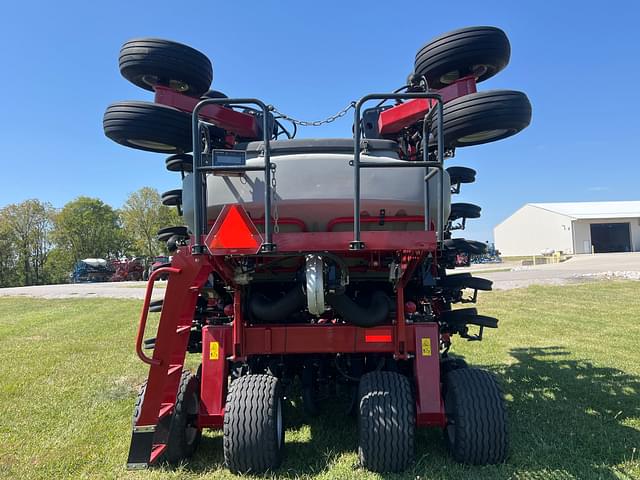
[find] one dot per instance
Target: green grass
(568, 358)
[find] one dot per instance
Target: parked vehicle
(92, 270)
(128, 269)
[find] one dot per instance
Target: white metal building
(572, 227)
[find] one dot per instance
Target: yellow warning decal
(214, 350)
(426, 347)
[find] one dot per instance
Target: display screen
(228, 158)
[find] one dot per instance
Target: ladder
(152, 418)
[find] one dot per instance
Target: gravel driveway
(581, 268)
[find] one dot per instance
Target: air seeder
(317, 264)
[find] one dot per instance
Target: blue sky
(577, 61)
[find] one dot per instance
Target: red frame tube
(145, 313)
(242, 124)
(394, 119)
(422, 341)
(391, 219)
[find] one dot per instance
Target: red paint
(145, 313)
(429, 405)
(410, 307)
(378, 338)
(285, 221)
(390, 219)
(242, 124)
(338, 242)
(187, 275)
(394, 119)
(213, 387)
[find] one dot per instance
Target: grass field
(568, 358)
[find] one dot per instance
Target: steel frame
(418, 343)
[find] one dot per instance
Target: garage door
(611, 237)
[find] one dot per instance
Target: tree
(8, 256)
(27, 228)
(142, 216)
(87, 228)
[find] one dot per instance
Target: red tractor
(315, 262)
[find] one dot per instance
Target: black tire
(148, 126)
(214, 94)
(461, 175)
(476, 431)
(180, 162)
(478, 51)
(253, 424)
(147, 62)
(484, 117)
(184, 434)
(464, 210)
(183, 438)
(461, 317)
(145, 274)
(449, 364)
(164, 234)
(156, 306)
(462, 280)
(386, 422)
(172, 198)
(471, 247)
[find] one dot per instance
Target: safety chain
(274, 199)
(316, 123)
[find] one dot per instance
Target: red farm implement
(314, 262)
(128, 269)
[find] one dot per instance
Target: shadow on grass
(566, 420)
(567, 415)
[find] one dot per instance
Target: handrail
(357, 243)
(199, 171)
(145, 313)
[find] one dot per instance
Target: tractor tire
(449, 364)
(164, 234)
(184, 434)
(461, 175)
(148, 126)
(461, 280)
(172, 198)
(464, 210)
(484, 117)
(147, 62)
(386, 422)
(155, 306)
(253, 424)
(472, 247)
(180, 162)
(213, 94)
(478, 51)
(476, 431)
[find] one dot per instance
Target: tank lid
(319, 145)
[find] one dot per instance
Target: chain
(315, 123)
(274, 200)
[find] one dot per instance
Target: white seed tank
(315, 185)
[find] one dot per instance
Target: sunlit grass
(568, 358)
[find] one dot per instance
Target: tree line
(40, 244)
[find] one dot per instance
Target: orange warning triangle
(234, 232)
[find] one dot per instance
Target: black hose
(275, 311)
(375, 314)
